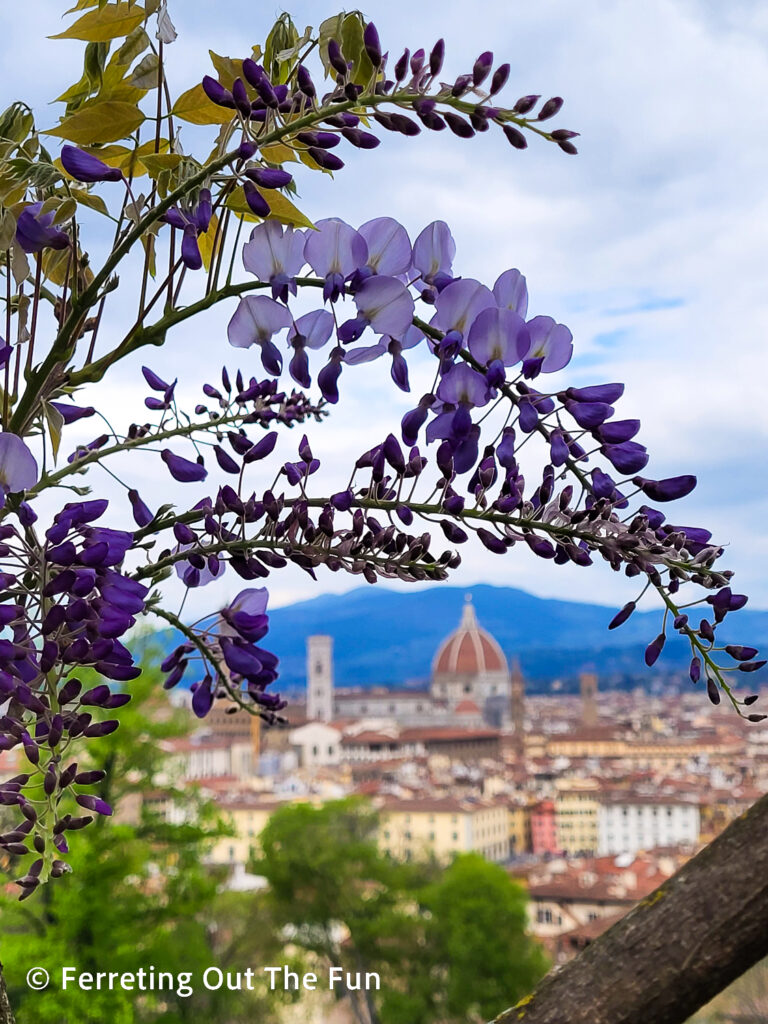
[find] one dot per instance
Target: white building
(316, 744)
(628, 823)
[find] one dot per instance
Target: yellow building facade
(444, 827)
(576, 815)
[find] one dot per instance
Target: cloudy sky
(652, 244)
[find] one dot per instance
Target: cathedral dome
(469, 650)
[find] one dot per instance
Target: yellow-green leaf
(227, 68)
(194, 107)
(90, 199)
(109, 22)
(136, 43)
(66, 211)
(156, 163)
(81, 5)
(281, 208)
(55, 422)
(7, 230)
(354, 50)
(209, 243)
(278, 153)
(105, 121)
(145, 74)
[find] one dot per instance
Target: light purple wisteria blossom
(498, 334)
(335, 251)
(511, 292)
(18, 467)
(310, 331)
(551, 346)
(459, 303)
(255, 322)
(433, 254)
(389, 247)
(384, 304)
(275, 254)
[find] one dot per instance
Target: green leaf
(227, 68)
(353, 49)
(136, 43)
(7, 230)
(16, 122)
(156, 163)
(109, 22)
(81, 5)
(146, 73)
(104, 121)
(94, 63)
(194, 107)
(329, 29)
(55, 422)
(90, 199)
(209, 243)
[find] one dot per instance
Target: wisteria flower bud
(550, 108)
(515, 137)
(499, 80)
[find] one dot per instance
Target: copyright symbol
(37, 978)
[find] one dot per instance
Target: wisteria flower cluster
(458, 468)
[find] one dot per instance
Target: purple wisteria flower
(87, 168)
(246, 615)
(312, 330)
(256, 320)
(551, 346)
(182, 469)
(36, 231)
(192, 221)
(18, 468)
(384, 304)
(335, 251)
(498, 334)
(511, 292)
(197, 571)
(433, 254)
(459, 303)
(463, 385)
(389, 247)
(276, 255)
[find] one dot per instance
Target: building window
(318, 668)
(431, 837)
(315, 751)
(391, 709)
(407, 835)
(455, 837)
(330, 751)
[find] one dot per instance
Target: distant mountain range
(389, 638)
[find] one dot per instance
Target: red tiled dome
(469, 650)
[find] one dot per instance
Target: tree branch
(683, 944)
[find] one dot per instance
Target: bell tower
(588, 684)
(320, 678)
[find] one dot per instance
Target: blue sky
(652, 244)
